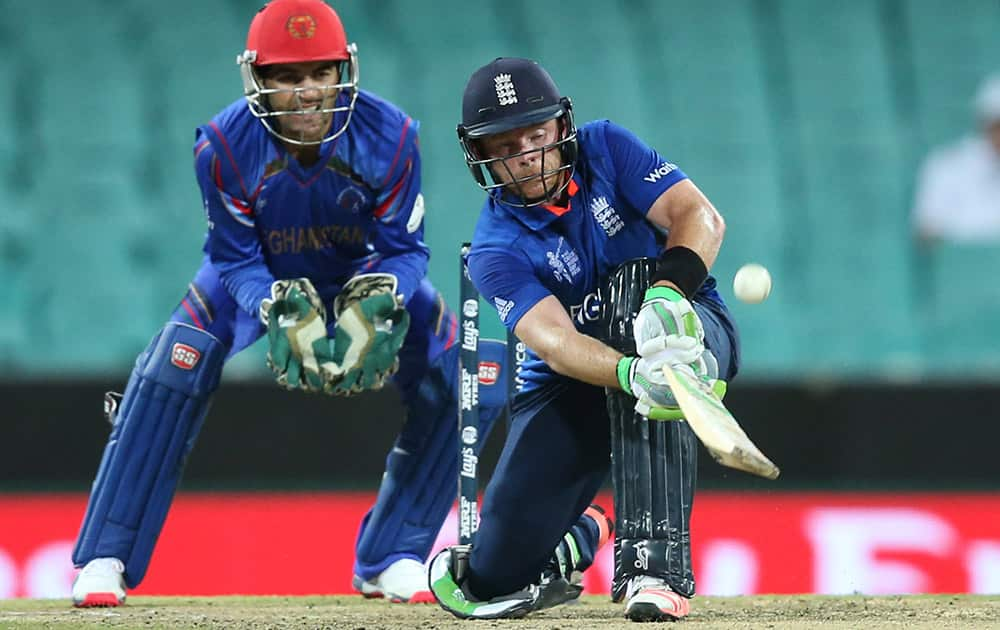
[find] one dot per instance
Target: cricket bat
(715, 426)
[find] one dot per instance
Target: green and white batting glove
(296, 331)
(643, 378)
(666, 320)
(371, 327)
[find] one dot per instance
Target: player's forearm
(408, 267)
(248, 286)
(700, 229)
(692, 221)
(692, 246)
(580, 357)
(242, 271)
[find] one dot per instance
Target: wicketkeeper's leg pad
(653, 463)
(154, 429)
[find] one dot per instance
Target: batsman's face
(523, 159)
(305, 88)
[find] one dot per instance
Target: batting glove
(667, 320)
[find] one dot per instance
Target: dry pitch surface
(958, 612)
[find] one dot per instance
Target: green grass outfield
(773, 612)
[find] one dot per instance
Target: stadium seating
(851, 213)
(953, 45)
(959, 303)
(803, 121)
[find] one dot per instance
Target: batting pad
(164, 406)
(653, 463)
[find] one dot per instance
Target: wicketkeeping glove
(296, 331)
(371, 327)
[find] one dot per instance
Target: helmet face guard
(344, 93)
(558, 159)
(513, 93)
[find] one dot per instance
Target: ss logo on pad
(184, 356)
(489, 372)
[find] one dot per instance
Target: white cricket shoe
(100, 583)
(403, 582)
(651, 599)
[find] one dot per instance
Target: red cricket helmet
(298, 31)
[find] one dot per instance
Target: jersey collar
(538, 217)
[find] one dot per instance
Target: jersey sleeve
(399, 239)
(642, 173)
(507, 281)
(232, 245)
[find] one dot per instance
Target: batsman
(595, 250)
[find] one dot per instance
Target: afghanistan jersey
(521, 255)
(358, 209)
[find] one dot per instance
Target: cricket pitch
(773, 612)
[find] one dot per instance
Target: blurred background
(821, 130)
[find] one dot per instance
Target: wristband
(682, 266)
(624, 369)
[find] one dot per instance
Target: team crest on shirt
(350, 198)
(606, 215)
(564, 262)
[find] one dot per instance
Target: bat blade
(717, 429)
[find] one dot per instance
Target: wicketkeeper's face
(306, 91)
(529, 163)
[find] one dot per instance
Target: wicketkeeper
(595, 251)
(311, 188)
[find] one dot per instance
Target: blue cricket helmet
(509, 93)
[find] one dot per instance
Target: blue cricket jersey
(521, 255)
(358, 209)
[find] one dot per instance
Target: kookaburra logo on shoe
(660, 172)
(505, 89)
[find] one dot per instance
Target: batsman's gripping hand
(296, 331)
(666, 320)
(668, 331)
(642, 376)
(371, 327)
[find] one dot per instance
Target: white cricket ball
(752, 283)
